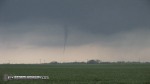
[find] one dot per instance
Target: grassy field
(80, 73)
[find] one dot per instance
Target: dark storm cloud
(88, 21)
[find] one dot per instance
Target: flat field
(79, 73)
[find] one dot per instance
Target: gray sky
(110, 30)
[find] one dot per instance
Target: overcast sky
(109, 30)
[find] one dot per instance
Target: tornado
(65, 38)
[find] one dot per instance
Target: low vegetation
(79, 73)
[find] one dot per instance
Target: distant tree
(93, 61)
(121, 62)
(54, 62)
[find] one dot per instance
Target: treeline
(95, 62)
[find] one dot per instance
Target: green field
(80, 73)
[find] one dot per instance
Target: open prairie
(79, 73)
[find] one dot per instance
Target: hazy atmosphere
(34, 31)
